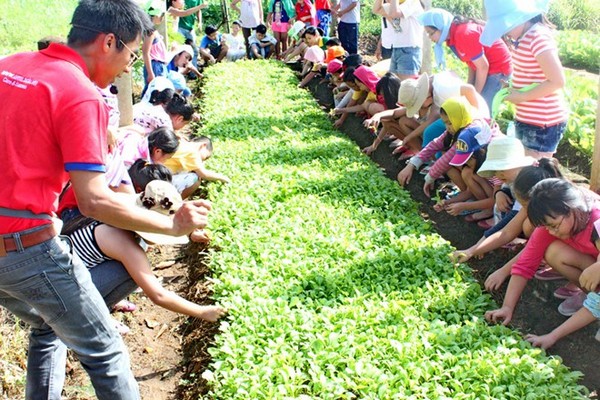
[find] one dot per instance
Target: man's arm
(96, 200)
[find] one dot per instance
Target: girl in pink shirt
(567, 219)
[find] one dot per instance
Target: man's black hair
(123, 18)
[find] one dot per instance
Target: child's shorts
(281, 27)
(539, 138)
(592, 303)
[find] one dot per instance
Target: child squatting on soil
(96, 242)
(567, 221)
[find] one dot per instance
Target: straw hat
(413, 93)
(504, 153)
(162, 197)
(505, 15)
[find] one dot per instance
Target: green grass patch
(24, 22)
(337, 289)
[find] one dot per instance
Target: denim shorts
(406, 60)
(539, 138)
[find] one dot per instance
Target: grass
(24, 22)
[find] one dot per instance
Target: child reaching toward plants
(463, 144)
(96, 242)
(187, 166)
(566, 220)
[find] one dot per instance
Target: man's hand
(191, 216)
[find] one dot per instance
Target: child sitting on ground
(213, 47)
(262, 45)
(236, 42)
(187, 166)
(463, 144)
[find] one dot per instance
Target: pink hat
(314, 54)
(334, 66)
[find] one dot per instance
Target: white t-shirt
(352, 17)
(446, 85)
(403, 32)
(250, 13)
(234, 42)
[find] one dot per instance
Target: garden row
(337, 289)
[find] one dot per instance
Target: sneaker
(571, 305)
(564, 292)
(546, 273)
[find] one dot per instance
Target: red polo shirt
(463, 39)
(52, 121)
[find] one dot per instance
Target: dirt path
(537, 312)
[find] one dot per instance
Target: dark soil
(537, 312)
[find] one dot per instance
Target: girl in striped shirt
(541, 112)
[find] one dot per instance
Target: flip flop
(124, 306)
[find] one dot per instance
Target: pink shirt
(536, 247)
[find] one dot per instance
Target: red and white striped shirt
(545, 111)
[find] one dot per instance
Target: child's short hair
(353, 60)
(333, 42)
(237, 22)
(388, 86)
(158, 97)
(349, 75)
(142, 173)
(206, 141)
(178, 105)
(210, 29)
(164, 139)
(262, 29)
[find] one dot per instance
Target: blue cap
(505, 15)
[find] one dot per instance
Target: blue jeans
(50, 289)
(348, 35)
(493, 84)
(406, 60)
(544, 139)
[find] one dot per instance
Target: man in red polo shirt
(53, 129)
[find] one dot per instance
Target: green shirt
(189, 21)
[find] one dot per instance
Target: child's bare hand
(337, 124)
(503, 315)
(543, 341)
(460, 256)
(212, 313)
(368, 150)
(503, 202)
(455, 208)
(405, 175)
(495, 280)
(590, 277)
